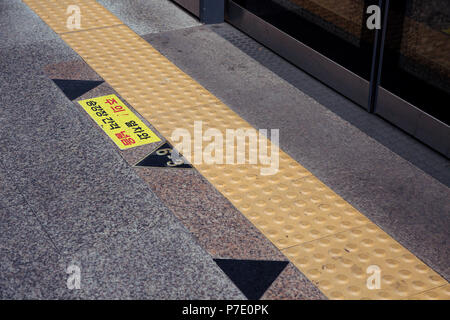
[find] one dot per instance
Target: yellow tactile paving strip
(54, 13)
(336, 263)
(324, 236)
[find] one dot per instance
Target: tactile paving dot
(338, 265)
(324, 236)
(54, 13)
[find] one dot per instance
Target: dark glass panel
(335, 28)
(416, 64)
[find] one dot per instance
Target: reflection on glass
(416, 63)
(341, 17)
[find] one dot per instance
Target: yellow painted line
(331, 242)
(118, 122)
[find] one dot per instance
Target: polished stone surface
(162, 263)
(25, 249)
(71, 193)
(21, 63)
(218, 226)
(23, 239)
(96, 199)
(10, 195)
(19, 25)
(70, 196)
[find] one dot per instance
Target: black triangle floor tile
(162, 157)
(252, 277)
(76, 88)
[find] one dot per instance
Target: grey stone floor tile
(26, 255)
(59, 135)
(217, 225)
(37, 153)
(35, 280)
(144, 16)
(22, 239)
(47, 126)
(88, 167)
(180, 268)
(20, 25)
(34, 111)
(162, 263)
(116, 269)
(380, 183)
(10, 195)
(22, 62)
(81, 202)
(34, 96)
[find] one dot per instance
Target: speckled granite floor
(69, 196)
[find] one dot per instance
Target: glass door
(193, 6)
(416, 65)
(327, 38)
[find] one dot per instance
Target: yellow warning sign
(118, 121)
